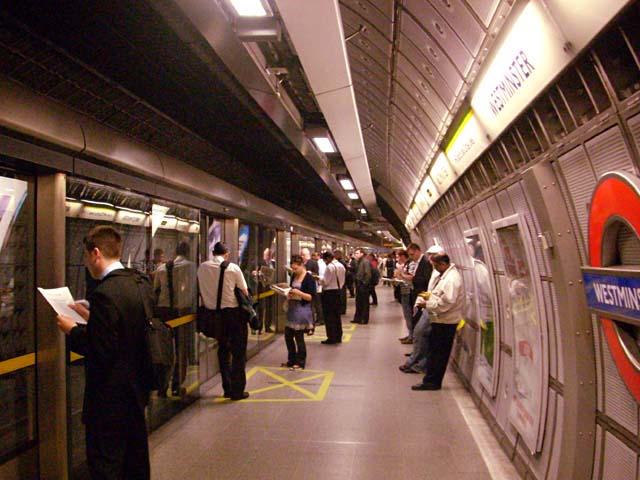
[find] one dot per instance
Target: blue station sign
(617, 295)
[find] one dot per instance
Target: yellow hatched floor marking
(316, 338)
(309, 396)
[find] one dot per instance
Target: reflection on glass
(526, 399)
(17, 387)
(480, 298)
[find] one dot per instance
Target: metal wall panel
(551, 335)
(618, 402)
(433, 23)
(608, 152)
(504, 394)
(460, 18)
(597, 456)
(634, 127)
(581, 180)
(521, 205)
(485, 9)
(506, 324)
(506, 206)
(555, 335)
(597, 346)
(554, 464)
(620, 462)
(628, 246)
(572, 217)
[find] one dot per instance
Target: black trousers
(232, 352)
(331, 306)
(316, 308)
(296, 348)
(343, 300)
(119, 451)
(374, 295)
(362, 304)
(440, 344)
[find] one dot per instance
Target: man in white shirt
(232, 344)
(444, 302)
(332, 282)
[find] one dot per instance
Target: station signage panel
(442, 173)
(531, 55)
(467, 144)
(609, 293)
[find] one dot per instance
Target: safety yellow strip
(176, 322)
(17, 363)
(74, 356)
(309, 396)
(266, 294)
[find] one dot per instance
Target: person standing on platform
(375, 278)
(312, 266)
(114, 346)
(332, 287)
(337, 254)
(351, 275)
(444, 304)
(363, 280)
(405, 272)
(422, 274)
(232, 344)
(299, 315)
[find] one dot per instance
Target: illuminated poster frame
(487, 375)
(529, 391)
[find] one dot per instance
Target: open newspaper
(281, 288)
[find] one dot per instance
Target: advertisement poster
(214, 235)
(528, 374)
(12, 194)
(243, 241)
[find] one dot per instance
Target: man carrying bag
(217, 279)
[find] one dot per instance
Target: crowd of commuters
(113, 340)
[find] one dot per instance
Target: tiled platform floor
(350, 415)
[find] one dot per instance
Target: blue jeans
(418, 359)
(407, 312)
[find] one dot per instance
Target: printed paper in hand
(60, 299)
(281, 288)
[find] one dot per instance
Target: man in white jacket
(444, 303)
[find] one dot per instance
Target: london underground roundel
(616, 202)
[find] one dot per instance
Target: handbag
(209, 322)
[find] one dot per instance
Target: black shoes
(241, 397)
(425, 386)
(330, 342)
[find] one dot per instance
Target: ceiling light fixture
(353, 195)
(324, 144)
(346, 183)
(249, 8)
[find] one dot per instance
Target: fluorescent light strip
(346, 184)
(353, 195)
(324, 144)
(249, 8)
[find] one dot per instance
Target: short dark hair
(361, 250)
(106, 239)
(414, 246)
(297, 259)
(327, 256)
(337, 254)
(403, 253)
(441, 259)
(183, 249)
(220, 249)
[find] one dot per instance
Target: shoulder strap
(335, 272)
(223, 267)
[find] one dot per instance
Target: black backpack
(160, 348)
(375, 276)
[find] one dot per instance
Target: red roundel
(617, 195)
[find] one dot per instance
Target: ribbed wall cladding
(618, 402)
(581, 180)
(580, 242)
(619, 460)
(634, 127)
(628, 246)
(608, 152)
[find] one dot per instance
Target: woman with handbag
(299, 314)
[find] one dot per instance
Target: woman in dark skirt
(299, 314)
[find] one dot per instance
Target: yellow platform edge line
(176, 322)
(17, 363)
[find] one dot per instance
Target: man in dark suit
(423, 271)
(113, 343)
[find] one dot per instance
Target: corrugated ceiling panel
(485, 9)
(356, 12)
(462, 22)
(438, 84)
(433, 23)
(436, 112)
(608, 152)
